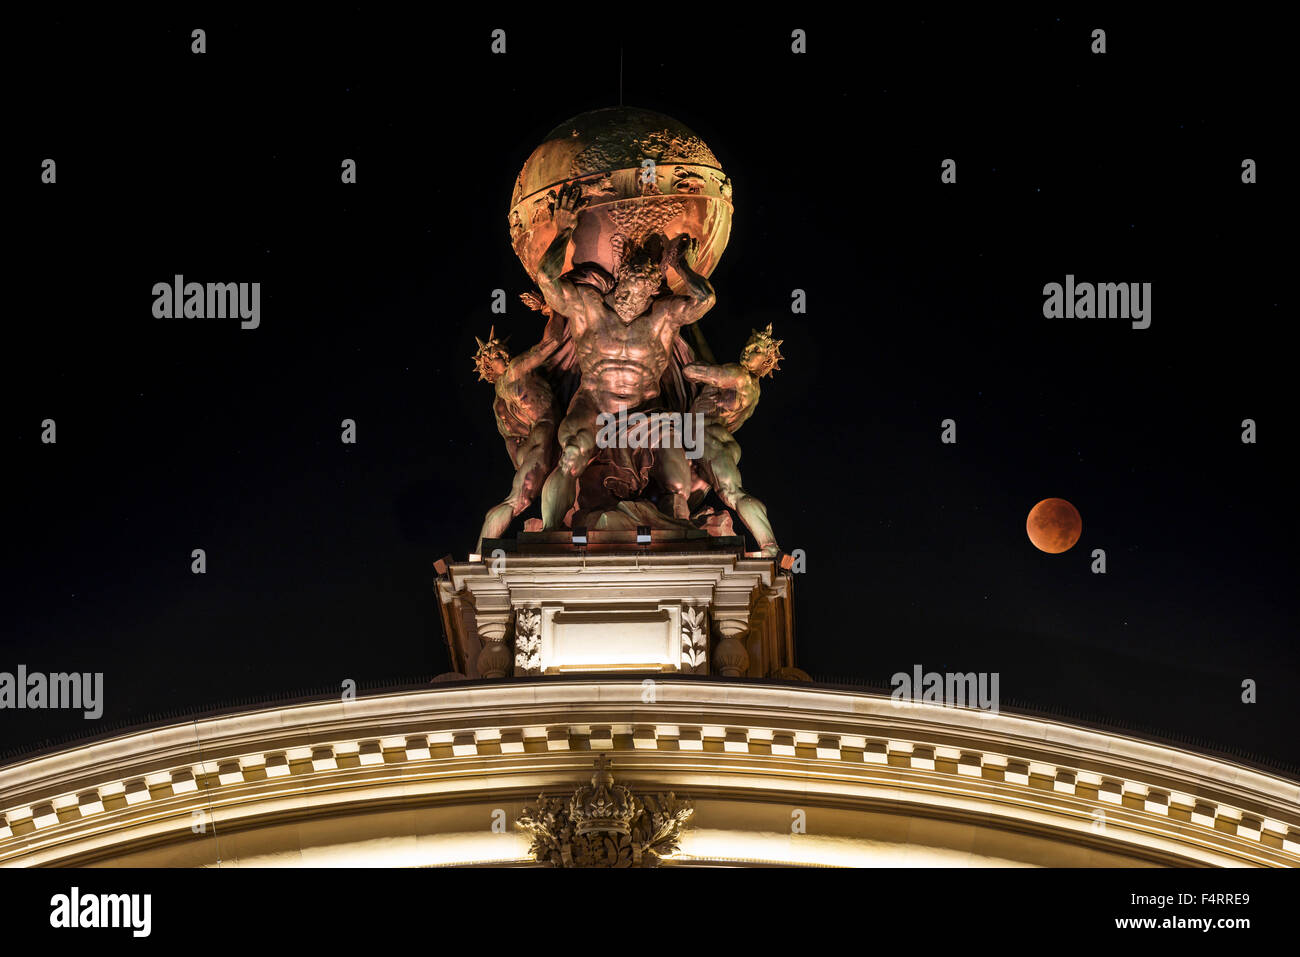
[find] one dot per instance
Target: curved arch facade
(778, 774)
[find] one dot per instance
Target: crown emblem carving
(602, 806)
(603, 824)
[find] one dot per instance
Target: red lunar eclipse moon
(1054, 525)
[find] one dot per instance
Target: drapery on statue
(619, 217)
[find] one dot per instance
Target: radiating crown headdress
(489, 350)
(762, 342)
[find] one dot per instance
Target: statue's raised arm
(698, 297)
(561, 293)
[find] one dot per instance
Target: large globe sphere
(638, 173)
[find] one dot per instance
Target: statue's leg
(535, 456)
(538, 460)
(673, 471)
(577, 435)
(495, 524)
(722, 457)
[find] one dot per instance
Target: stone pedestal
(564, 610)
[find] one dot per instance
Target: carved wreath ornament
(604, 825)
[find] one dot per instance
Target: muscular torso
(732, 404)
(621, 362)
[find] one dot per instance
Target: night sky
(924, 303)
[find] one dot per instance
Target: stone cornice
(729, 740)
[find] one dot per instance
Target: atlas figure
(623, 341)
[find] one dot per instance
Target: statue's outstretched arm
(719, 376)
(530, 359)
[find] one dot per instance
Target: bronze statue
(728, 397)
(525, 411)
(623, 341)
(619, 216)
